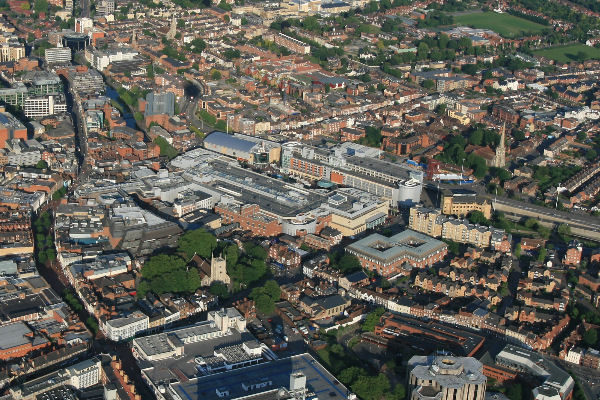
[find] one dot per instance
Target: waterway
(113, 95)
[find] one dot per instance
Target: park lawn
(504, 24)
(569, 53)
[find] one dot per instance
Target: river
(128, 117)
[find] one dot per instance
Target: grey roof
(443, 370)
(218, 138)
(406, 243)
(160, 103)
(13, 335)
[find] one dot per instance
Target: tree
(219, 289)
(166, 149)
(372, 319)
(518, 250)
(591, 154)
(422, 51)
(542, 253)
(349, 375)
(41, 164)
(348, 263)
(428, 84)
(272, 289)
(477, 217)
(265, 304)
(198, 242)
(476, 137)
(590, 337)
(514, 392)
(470, 69)
(215, 75)
(254, 251)
(372, 388)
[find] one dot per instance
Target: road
(588, 378)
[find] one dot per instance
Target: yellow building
(425, 220)
(461, 203)
(353, 211)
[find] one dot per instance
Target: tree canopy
(168, 273)
(265, 296)
(198, 242)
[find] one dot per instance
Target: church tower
(500, 157)
(218, 270)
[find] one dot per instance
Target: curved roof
(218, 138)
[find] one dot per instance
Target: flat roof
(274, 374)
(13, 335)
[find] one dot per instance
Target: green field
(504, 24)
(568, 53)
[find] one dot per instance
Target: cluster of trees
(533, 18)
(41, 164)
(168, 273)
(479, 136)
(231, 54)
(72, 301)
(60, 193)
(449, 6)
(192, 3)
(344, 262)
(44, 242)
(548, 177)
(442, 48)
(172, 52)
(582, 23)
(130, 97)
(371, 387)
(223, 5)
(247, 268)
(532, 223)
(152, 70)
(435, 18)
(350, 372)
(166, 149)
(372, 137)
(454, 153)
(40, 48)
(266, 296)
(383, 5)
(212, 120)
(40, 6)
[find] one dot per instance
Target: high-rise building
(446, 378)
(58, 55)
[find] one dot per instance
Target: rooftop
(263, 378)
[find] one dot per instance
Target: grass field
(571, 52)
(504, 24)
